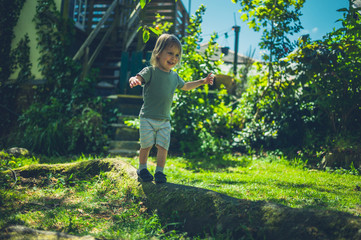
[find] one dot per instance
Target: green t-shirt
(158, 92)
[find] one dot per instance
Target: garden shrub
(201, 120)
(312, 102)
(65, 117)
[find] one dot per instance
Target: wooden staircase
(113, 46)
(108, 65)
(125, 139)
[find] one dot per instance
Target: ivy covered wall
(26, 25)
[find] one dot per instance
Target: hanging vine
(54, 36)
(22, 56)
(9, 12)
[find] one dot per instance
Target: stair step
(123, 125)
(110, 67)
(124, 152)
(102, 64)
(108, 77)
(124, 96)
(104, 84)
(119, 125)
(124, 148)
(126, 134)
(124, 145)
(121, 117)
(126, 104)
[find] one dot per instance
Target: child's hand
(134, 81)
(209, 79)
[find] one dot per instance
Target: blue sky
(319, 17)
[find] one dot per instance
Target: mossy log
(205, 211)
(200, 211)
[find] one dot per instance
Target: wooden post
(235, 62)
(90, 17)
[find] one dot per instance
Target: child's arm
(194, 84)
(135, 81)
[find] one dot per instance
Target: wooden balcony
(172, 10)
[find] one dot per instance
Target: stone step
(127, 104)
(124, 148)
(124, 152)
(119, 125)
(122, 132)
(125, 116)
(129, 145)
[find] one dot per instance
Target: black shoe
(145, 175)
(160, 177)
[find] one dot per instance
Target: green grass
(272, 179)
(99, 207)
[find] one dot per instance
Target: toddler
(160, 83)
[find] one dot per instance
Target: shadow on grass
(308, 195)
(218, 164)
(200, 211)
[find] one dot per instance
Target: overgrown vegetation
(79, 204)
(94, 204)
(327, 86)
(10, 12)
(65, 115)
(201, 121)
(306, 101)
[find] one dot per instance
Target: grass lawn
(271, 179)
(97, 206)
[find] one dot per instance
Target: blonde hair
(165, 40)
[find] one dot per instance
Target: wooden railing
(117, 21)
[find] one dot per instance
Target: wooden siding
(173, 11)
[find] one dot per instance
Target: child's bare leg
(162, 154)
(143, 172)
(143, 157)
(159, 176)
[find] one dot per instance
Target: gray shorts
(154, 131)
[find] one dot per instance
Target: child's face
(168, 58)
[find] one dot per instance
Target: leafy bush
(313, 99)
(11, 103)
(86, 131)
(201, 121)
(51, 130)
(329, 74)
(65, 116)
(44, 128)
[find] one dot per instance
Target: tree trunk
(200, 211)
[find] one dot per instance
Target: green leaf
(244, 17)
(157, 32)
(146, 35)
(143, 3)
(342, 10)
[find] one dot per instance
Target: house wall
(26, 25)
